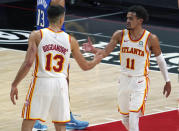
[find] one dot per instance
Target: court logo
(8, 36)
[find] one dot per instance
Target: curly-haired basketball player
(136, 45)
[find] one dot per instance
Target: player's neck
(136, 33)
(54, 27)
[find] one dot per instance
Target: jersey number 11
(130, 63)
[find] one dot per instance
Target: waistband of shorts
(50, 77)
(129, 75)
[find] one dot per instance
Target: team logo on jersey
(8, 36)
(141, 43)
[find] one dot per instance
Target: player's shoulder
(117, 33)
(153, 37)
(36, 35)
(73, 39)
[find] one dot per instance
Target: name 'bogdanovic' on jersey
(134, 54)
(53, 55)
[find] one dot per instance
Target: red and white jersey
(53, 55)
(134, 54)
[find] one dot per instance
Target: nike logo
(140, 81)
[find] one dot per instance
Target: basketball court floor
(93, 94)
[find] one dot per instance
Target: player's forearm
(24, 69)
(108, 49)
(163, 67)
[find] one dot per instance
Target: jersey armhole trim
(41, 33)
(69, 37)
(122, 38)
(146, 44)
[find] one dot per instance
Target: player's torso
(53, 54)
(134, 54)
(41, 16)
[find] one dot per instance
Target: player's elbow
(86, 65)
(85, 68)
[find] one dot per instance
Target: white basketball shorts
(132, 94)
(47, 96)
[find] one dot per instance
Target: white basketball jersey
(53, 54)
(134, 54)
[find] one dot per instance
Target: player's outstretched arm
(154, 46)
(116, 38)
(26, 65)
(82, 62)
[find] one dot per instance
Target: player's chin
(129, 28)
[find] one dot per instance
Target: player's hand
(14, 94)
(88, 47)
(167, 89)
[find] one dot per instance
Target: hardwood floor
(93, 93)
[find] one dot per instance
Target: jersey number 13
(40, 18)
(60, 61)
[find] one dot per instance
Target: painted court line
(170, 108)
(93, 17)
(121, 119)
(89, 34)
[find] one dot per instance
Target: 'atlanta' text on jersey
(133, 51)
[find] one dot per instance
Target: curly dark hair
(140, 11)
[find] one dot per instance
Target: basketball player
(48, 93)
(42, 22)
(136, 45)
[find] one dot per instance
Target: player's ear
(62, 20)
(141, 20)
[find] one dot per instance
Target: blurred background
(23, 11)
(97, 19)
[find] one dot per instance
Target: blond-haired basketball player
(136, 45)
(48, 93)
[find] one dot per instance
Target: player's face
(132, 21)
